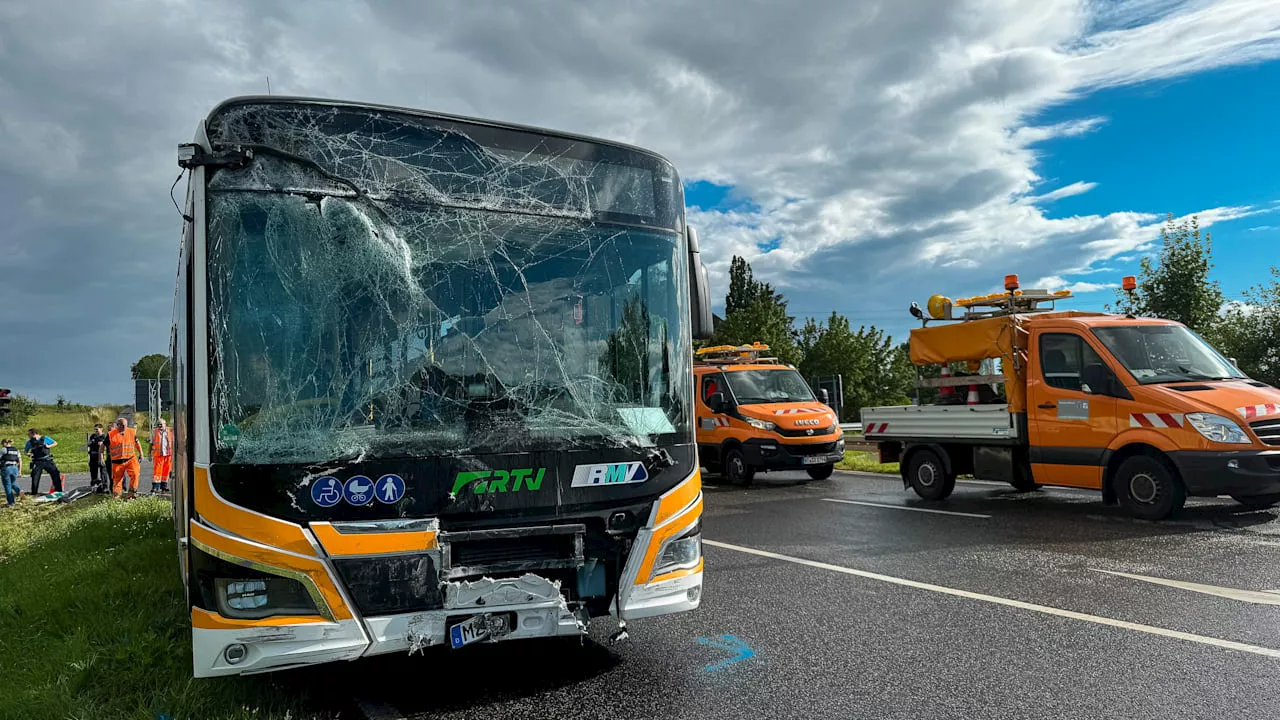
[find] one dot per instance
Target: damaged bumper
(662, 575)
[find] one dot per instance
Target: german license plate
(468, 631)
(815, 460)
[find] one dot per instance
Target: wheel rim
(1143, 488)
(736, 467)
(926, 475)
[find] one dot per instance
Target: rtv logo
(609, 474)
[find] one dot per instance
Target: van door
(1070, 423)
(711, 426)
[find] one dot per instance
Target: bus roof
(285, 100)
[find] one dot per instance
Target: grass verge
(93, 624)
(866, 462)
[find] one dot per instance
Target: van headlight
(681, 552)
(258, 598)
(760, 424)
(1218, 428)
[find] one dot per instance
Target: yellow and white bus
(432, 384)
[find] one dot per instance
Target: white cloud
(1075, 188)
(890, 147)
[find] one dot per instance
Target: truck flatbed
(992, 422)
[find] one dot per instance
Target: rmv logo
(610, 474)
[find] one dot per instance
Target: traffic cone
(946, 392)
(973, 395)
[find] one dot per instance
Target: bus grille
(510, 550)
(1268, 431)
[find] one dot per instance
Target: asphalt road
(1001, 610)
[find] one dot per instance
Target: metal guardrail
(851, 427)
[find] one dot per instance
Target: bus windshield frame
(391, 284)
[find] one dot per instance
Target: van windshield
(768, 386)
(1165, 353)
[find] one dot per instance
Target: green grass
(70, 428)
(866, 462)
(93, 624)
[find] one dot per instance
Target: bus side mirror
(699, 289)
(716, 402)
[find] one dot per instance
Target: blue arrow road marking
(733, 645)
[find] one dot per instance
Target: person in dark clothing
(40, 448)
(99, 475)
(10, 469)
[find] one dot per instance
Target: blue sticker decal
(390, 488)
(359, 490)
(326, 491)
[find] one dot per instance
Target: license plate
(815, 460)
(468, 631)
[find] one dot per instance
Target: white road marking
(1123, 624)
(1261, 597)
(905, 507)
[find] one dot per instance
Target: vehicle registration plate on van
(815, 460)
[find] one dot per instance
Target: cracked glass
(384, 284)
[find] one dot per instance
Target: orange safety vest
(155, 442)
(123, 445)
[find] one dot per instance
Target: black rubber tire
(928, 477)
(1257, 501)
(820, 472)
(1148, 488)
(736, 470)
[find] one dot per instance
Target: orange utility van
(1143, 410)
(756, 414)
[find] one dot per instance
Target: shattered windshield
(1165, 353)
(457, 299)
(768, 386)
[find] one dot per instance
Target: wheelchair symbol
(326, 492)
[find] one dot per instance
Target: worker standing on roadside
(40, 448)
(10, 469)
(99, 476)
(161, 456)
(125, 451)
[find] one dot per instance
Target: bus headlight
(262, 597)
(1218, 428)
(680, 553)
(760, 424)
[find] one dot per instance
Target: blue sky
(1178, 146)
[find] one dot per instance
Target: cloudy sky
(860, 154)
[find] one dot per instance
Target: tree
(875, 371)
(149, 366)
(754, 311)
(21, 408)
(1177, 287)
(1250, 331)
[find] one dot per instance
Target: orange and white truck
(1143, 410)
(757, 414)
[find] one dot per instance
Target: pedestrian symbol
(326, 492)
(390, 489)
(359, 490)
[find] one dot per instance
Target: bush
(21, 408)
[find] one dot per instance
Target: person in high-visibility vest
(161, 456)
(125, 451)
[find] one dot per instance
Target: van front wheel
(1148, 488)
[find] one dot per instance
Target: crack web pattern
(382, 286)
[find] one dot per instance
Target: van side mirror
(703, 324)
(825, 396)
(716, 402)
(1101, 381)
